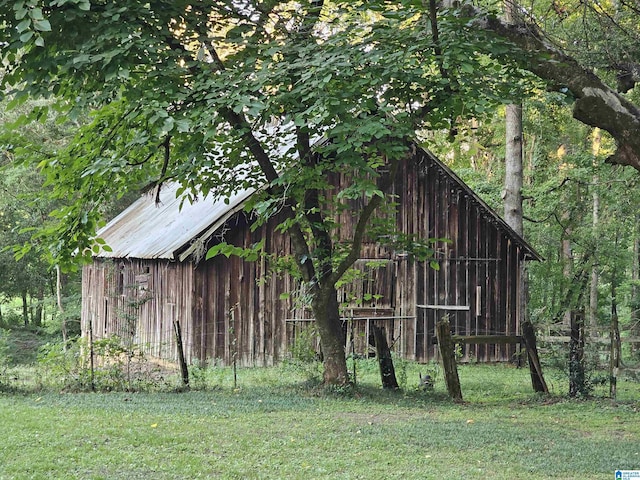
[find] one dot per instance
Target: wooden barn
(229, 309)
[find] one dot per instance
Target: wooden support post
(448, 356)
(181, 360)
(387, 372)
(535, 369)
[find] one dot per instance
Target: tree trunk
(614, 358)
(387, 371)
(595, 276)
(332, 342)
(535, 368)
(635, 288)
(567, 262)
(614, 355)
(63, 324)
(25, 308)
(513, 215)
(183, 363)
(577, 379)
(512, 194)
(37, 318)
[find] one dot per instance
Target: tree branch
(313, 210)
(384, 184)
(165, 164)
(596, 104)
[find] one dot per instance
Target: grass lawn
(276, 426)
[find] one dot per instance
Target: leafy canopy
(226, 95)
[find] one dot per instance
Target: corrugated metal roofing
(149, 230)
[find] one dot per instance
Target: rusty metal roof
(147, 229)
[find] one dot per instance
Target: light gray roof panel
(160, 230)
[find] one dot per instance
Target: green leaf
(21, 11)
(25, 37)
(36, 14)
(23, 25)
(82, 58)
(42, 25)
(216, 250)
(183, 125)
(466, 67)
(167, 126)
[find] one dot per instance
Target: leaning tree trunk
(332, 341)
(385, 361)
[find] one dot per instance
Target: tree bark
(635, 289)
(512, 194)
(535, 368)
(567, 267)
(25, 308)
(63, 323)
(37, 318)
(332, 340)
(577, 379)
(183, 363)
(596, 104)
(614, 354)
(614, 358)
(595, 276)
(513, 215)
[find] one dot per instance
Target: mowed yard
(274, 425)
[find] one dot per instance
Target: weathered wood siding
(239, 312)
(138, 300)
(479, 266)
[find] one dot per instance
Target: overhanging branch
(596, 104)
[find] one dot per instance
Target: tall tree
(595, 274)
(513, 213)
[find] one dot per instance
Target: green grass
(275, 425)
